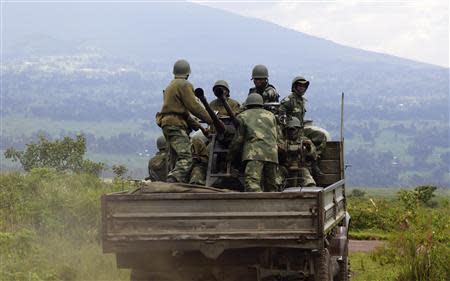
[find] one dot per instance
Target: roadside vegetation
(50, 222)
(416, 226)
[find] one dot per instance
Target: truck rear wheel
(343, 266)
(322, 270)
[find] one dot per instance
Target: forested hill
(100, 68)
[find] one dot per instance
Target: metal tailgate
(136, 222)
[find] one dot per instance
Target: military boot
(315, 170)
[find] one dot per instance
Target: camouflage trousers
(198, 174)
(299, 178)
(318, 136)
(260, 172)
(180, 153)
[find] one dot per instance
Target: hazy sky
(415, 29)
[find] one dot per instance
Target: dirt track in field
(364, 245)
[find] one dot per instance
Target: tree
(63, 155)
(119, 171)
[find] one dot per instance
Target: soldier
(221, 86)
(174, 117)
(200, 158)
(257, 135)
(157, 165)
(299, 153)
(260, 77)
(294, 106)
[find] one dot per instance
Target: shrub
(63, 155)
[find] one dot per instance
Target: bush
(49, 227)
(63, 155)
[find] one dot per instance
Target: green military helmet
(254, 99)
(181, 69)
(294, 122)
(301, 80)
(260, 71)
(222, 83)
(161, 143)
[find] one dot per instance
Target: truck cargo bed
(296, 218)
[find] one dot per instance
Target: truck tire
(343, 267)
(322, 270)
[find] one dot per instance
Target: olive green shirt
(257, 135)
(217, 105)
(199, 151)
(179, 102)
(157, 166)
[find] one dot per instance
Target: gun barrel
(229, 111)
(220, 127)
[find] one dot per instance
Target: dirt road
(364, 245)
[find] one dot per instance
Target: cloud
(417, 30)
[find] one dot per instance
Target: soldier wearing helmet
(174, 119)
(299, 153)
(260, 77)
(221, 88)
(157, 165)
(258, 137)
(200, 158)
(294, 106)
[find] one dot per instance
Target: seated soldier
(260, 77)
(294, 106)
(199, 158)
(299, 153)
(221, 88)
(157, 165)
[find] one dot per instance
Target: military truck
(167, 231)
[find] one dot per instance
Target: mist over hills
(69, 64)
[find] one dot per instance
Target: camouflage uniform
(269, 94)
(296, 165)
(174, 119)
(294, 105)
(257, 135)
(200, 162)
(157, 166)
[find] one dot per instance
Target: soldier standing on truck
(221, 88)
(174, 117)
(199, 157)
(157, 165)
(257, 136)
(260, 77)
(294, 106)
(299, 153)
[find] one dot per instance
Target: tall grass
(49, 227)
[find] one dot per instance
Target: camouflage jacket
(257, 135)
(216, 105)
(294, 105)
(157, 166)
(269, 94)
(199, 151)
(179, 103)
